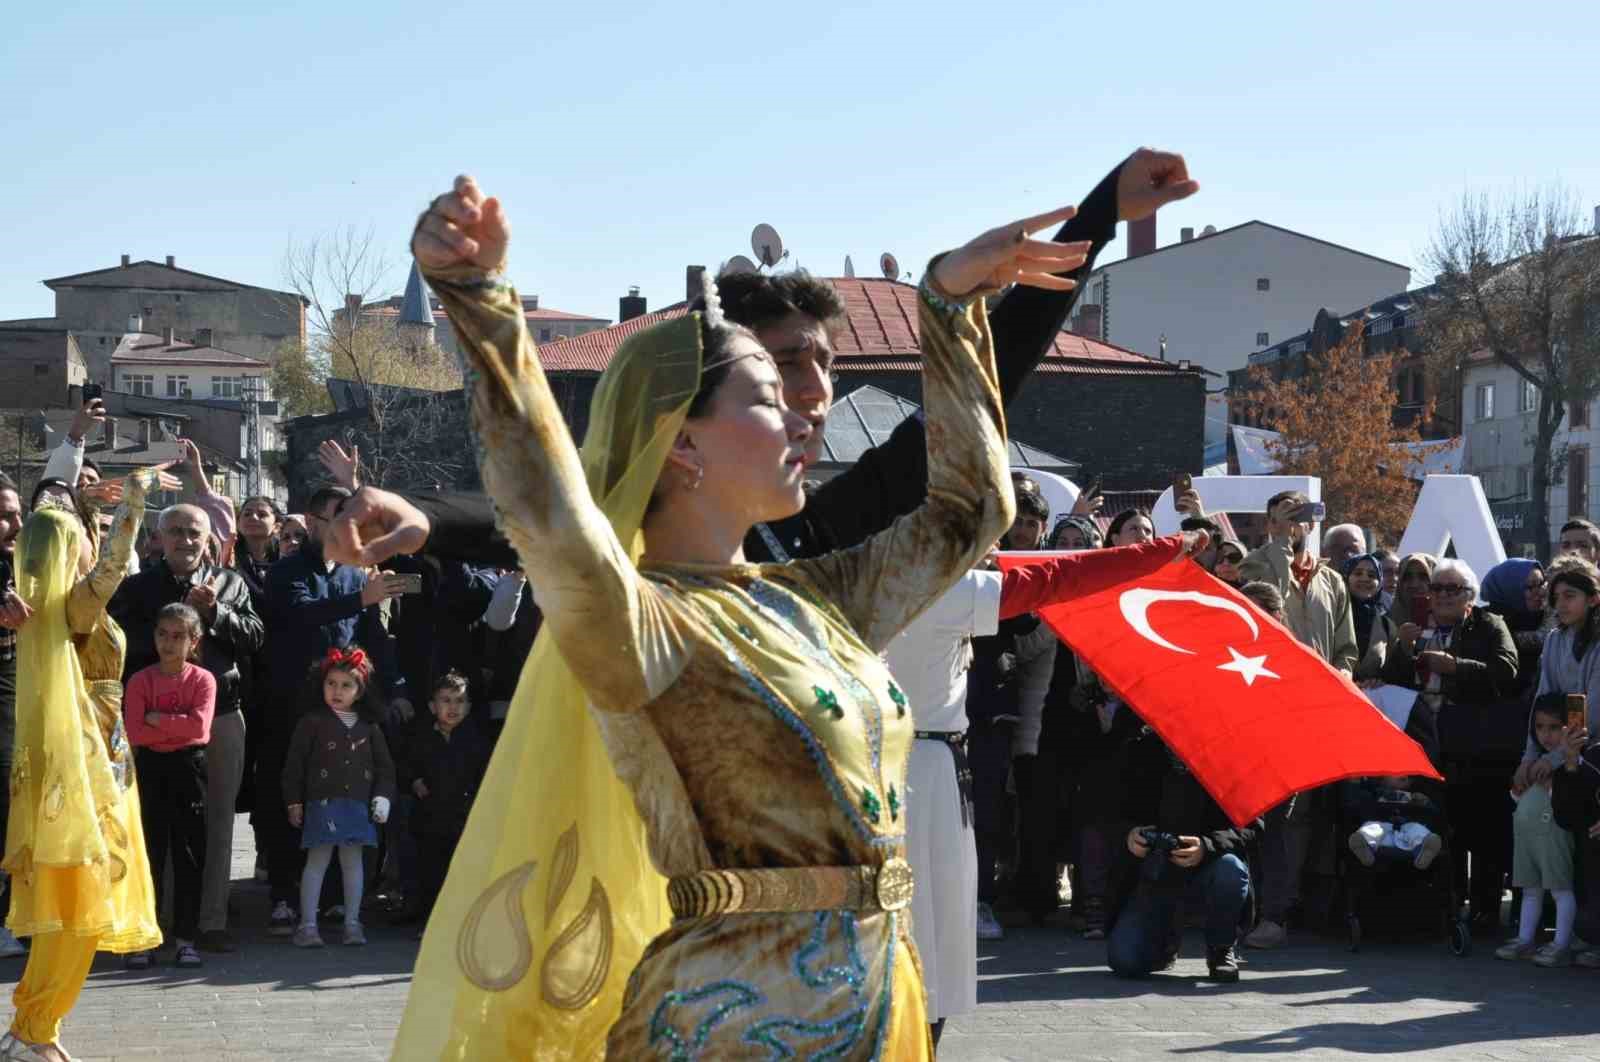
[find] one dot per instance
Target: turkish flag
(1256, 715)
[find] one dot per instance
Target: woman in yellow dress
(691, 843)
(80, 880)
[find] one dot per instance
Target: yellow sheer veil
(51, 823)
(551, 896)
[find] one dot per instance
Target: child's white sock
(1532, 909)
(1566, 915)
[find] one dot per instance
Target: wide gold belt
(768, 890)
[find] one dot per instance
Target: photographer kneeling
(1191, 852)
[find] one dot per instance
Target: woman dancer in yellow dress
(703, 778)
(80, 880)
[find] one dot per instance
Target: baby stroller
(1393, 889)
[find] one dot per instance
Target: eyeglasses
(1232, 558)
(1446, 590)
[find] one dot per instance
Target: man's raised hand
(1149, 181)
(462, 227)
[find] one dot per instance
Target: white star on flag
(1249, 668)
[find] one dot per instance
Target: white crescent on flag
(1136, 604)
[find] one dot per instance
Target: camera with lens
(1160, 845)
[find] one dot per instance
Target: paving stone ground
(1043, 995)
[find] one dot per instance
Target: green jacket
(1319, 615)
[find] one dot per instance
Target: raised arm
(892, 479)
(91, 593)
(1035, 586)
(580, 572)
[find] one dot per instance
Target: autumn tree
(299, 382)
(1334, 414)
(406, 386)
(1520, 279)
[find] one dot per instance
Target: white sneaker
(10, 946)
(989, 927)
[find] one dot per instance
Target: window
(1263, 283)
(177, 386)
(1527, 397)
(225, 387)
(137, 383)
(1262, 339)
(1578, 481)
(1578, 415)
(1380, 326)
(544, 335)
(1485, 405)
(1522, 481)
(1297, 347)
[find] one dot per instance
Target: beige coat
(1319, 615)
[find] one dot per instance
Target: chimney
(202, 337)
(1141, 236)
(171, 261)
(1186, 233)
(166, 335)
(631, 305)
(124, 260)
(144, 435)
(111, 434)
(531, 302)
(1087, 323)
(1597, 220)
(693, 282)
(135, 322)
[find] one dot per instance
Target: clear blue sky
(628, 140)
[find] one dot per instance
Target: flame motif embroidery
(478, 944)
(577, 961)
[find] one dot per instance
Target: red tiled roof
(880, 334)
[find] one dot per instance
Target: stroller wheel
(1461, 938)
(1353, 926)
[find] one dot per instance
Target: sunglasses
(1231, 557)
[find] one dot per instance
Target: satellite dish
(890, 265)
(738, 264)
(1209, 230)
(767, 245)
(849, 268)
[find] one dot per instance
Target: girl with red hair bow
(338, 781)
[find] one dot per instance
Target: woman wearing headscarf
(75, 850)
(1363, 576)
(1230, 555)
(1411, 601)
(716, 763)
(1514, 590)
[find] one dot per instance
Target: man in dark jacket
(791, 318)
(233, 632)
(1186, 849)
(316, 606)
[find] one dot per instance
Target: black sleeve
(1027, 320)
(1572, 797)
(461, 526)
(890, 480)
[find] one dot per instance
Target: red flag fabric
(1256, 715)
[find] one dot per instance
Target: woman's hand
(1089, 503)
(1437, 662)
(1007, 256)
(460, 228)
(345, 468)
(297, 815)
(1410, 634)
(373, 526)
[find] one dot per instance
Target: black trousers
(172, 795)
(989, 754)
(281, 841)
(1480, 824)
(434, 852)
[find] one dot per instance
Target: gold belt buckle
(894, 884)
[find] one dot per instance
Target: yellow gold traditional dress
(80, 879)
(744, 708)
